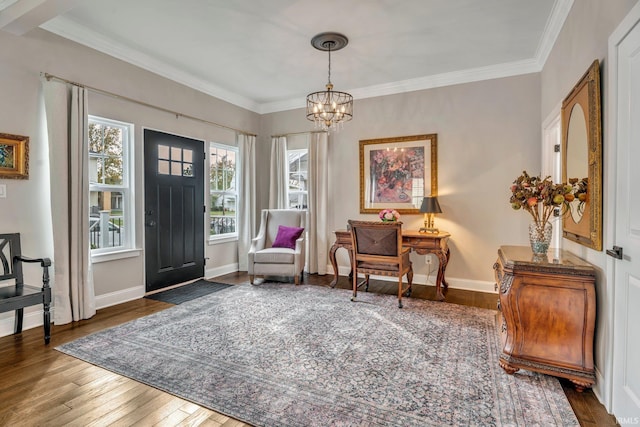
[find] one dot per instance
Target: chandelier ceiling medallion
(329, 109)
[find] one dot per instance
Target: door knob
(616, 252)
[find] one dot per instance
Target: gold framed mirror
(582, 159)
(397, 173)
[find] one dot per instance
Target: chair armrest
(44, 262)
(257, 244)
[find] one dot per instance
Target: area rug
(285, 355)
(188, 292)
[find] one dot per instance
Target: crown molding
(71, 30)
(559, 13)
(421, 83)
(78, 33)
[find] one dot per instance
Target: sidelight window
(223, 191)
(110, 183)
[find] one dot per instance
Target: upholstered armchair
(279, 247)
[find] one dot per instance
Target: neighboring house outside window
(111, 225)
(223, 190)
(298, 178)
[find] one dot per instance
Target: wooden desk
(421, 243)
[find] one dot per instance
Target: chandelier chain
(329, 44)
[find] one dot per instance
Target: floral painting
(397, 173)
(393, 172)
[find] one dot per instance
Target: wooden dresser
(548, 309)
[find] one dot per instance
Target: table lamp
(430, 207)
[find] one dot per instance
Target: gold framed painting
(14, 156)
(397, 173)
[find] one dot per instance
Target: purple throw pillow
(287, 236)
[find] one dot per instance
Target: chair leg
(47, 323)
(366, 283)
(400, 291)
(296, 279)
(354, 284)
(18, 322)
(251, 277)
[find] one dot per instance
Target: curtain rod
(135, 101)
(299, 133)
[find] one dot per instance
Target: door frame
(609, 200)
(142, 216)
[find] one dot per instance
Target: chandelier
(329, 108)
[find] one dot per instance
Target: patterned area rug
(281, 355)
(188, 292)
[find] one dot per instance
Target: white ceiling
(257, 54)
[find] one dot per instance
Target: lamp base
(429, 230)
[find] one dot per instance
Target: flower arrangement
(579, 192)
(389, 215)
(540, 196)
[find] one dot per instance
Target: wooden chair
(377, 249)
(17, 296)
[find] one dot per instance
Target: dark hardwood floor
(40, 386)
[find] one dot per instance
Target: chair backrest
(382, 239)
(9, 248)
(272, 218)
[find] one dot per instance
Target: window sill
(115, 255)
(218, 240)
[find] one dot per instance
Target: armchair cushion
(275, 256)
(287, 236)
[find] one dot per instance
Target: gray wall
(584, 38)
(26, 208)
(488, 132)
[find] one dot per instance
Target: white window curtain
(247, 194)
(67, 127)
(318, 201)
(279, 174)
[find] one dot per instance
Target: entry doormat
(188, 292)
(286, 355)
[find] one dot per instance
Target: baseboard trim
(597, 389)
(118, 297)
(221, 271)
(423, 279)
(32, 319)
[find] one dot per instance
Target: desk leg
(334, 264)
(443, 259)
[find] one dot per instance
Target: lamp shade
(430, 205)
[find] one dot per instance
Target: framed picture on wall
(397, 173)
(14, 156)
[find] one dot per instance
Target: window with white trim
(298, 178)
(223, 191)
(111, 225)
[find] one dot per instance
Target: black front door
(173, 209)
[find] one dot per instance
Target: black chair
(18, 296)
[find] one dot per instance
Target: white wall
(584, 38)
(26, 208)
(488, 132)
